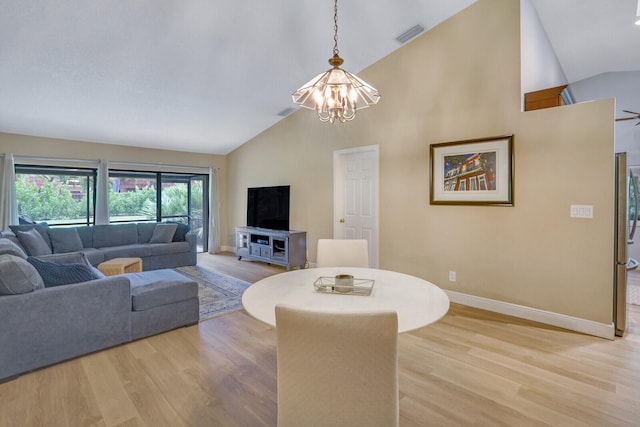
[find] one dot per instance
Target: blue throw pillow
(62, 274)
(180, 232)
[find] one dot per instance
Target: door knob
(342, 220)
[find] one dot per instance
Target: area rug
(218, 293)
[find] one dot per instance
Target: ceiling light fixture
(336, 94)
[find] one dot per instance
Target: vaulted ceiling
(206, 76)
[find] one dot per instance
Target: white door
(355, 194)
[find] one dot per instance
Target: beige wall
(460, 80)
(22, 145)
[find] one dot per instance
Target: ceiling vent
(286, 111)
(410, 33)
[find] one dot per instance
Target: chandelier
(336, 94)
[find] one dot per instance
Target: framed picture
(472, 172)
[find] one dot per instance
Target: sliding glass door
(137, 196)
(184, 199)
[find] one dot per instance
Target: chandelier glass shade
(336, 94)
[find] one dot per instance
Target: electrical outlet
(452, 276)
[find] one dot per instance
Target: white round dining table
(417, 302)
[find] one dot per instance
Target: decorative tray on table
(343, 284)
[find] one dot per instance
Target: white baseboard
(228, 249)
(602, 330)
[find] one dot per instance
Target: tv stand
(280, 247)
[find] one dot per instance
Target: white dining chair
(337, 369)
(342, 253)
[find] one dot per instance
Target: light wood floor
(471, 368)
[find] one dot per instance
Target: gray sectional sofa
(43, 325)
(104, 242)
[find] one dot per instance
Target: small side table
(120, 266)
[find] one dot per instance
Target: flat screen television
(268, 207)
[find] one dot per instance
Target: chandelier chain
(335, 27)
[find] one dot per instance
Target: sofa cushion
(86, 235)
(54, 274)
(17, 276)
(9, 247)
(95, 256)
(151, 289)
(10, 235)
(145, 231)
(168, 248)
(126, 251)
(114, 235)
(33, 242)
(163, 233)
(65, 240)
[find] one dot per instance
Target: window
(56, 195)
(132, 196)
(472, 184)
(483, 182)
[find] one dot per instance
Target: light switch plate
(581, 211)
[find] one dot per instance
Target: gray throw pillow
(65, 240)
(17, 276)
(8, 247)
(145, 231)
(163, 233)
(41, 227)
(62, 274)
(33, 242)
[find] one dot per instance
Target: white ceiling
(598, 46)
(206, 76)
(594, 37)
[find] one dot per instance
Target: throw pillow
(145, 231)
(163, 233)
(65, 240)
(62, 274)
(33, 242)
(17, 276)
(72, 258)
(40, 227)
(8, 247)
(66, 258)
(181, 231)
